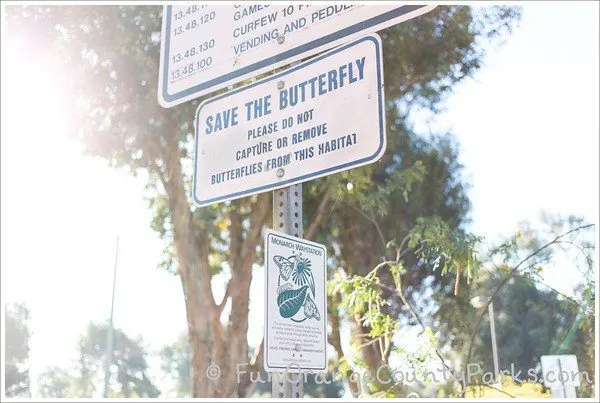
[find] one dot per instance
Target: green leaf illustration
(291, 301)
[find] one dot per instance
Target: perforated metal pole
(287, 218)
(287, 210)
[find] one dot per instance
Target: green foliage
(128, 362)
(370, 296)
(429, 55)
(16, 359)
(56, 382)
(542, 319)
(453, 250)
(355, 291)
(530, 322)
(175, 362)
(423, 59)
(365, 198)
(84, 378)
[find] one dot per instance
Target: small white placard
(295, 304)
(560, 370)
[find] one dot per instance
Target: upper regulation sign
(205, 48)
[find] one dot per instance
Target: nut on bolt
(280, 85)
(280, 39)
(280, 172)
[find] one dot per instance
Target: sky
(527, 124)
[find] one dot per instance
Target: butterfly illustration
(310, 308)
(285, 266)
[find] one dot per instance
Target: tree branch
(414, 314)
(318, 217)
(371, 342)
(159, 172)
(400, 252)
(582, 251)
(565, 296)
(223, 302)
(253, 236)
(375, 223)
(378, 267)
(398, 292)
(236, 235)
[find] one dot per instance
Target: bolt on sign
(205, 48)
(296, 304)
(318, 118)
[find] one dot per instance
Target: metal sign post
(287, 217)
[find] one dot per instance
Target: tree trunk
(212, 344)
(191, 247)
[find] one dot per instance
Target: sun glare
(41, 168)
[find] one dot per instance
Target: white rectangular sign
(560, 370)
(296, 304)
(208, 47)
(321, 117)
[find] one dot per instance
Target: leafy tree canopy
(16, 360)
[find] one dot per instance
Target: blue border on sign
(324, 285)
(361, 26)
(231, 196)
